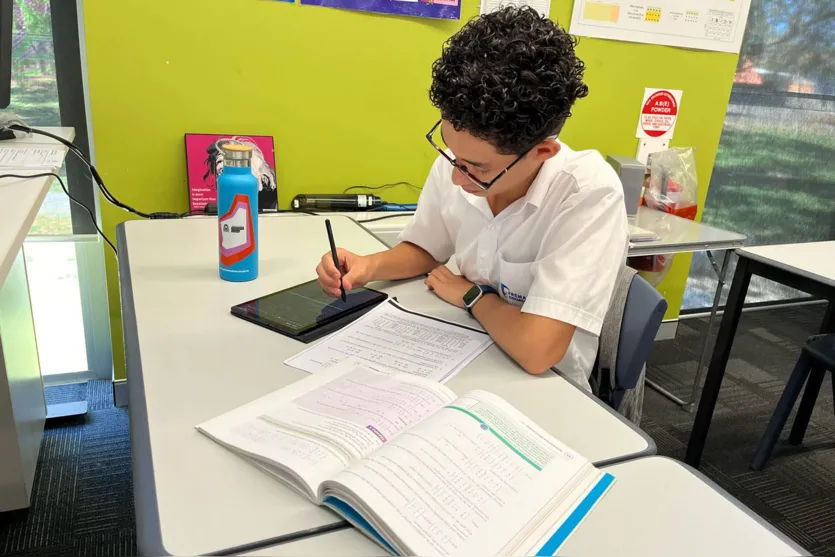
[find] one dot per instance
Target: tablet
(306, 313)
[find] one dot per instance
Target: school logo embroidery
(512, 297)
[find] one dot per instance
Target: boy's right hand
(355, 270)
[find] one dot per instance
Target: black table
(806, 267)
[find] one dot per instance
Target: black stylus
(335, 258)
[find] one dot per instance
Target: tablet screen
(304, 307)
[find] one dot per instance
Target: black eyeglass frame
(463, 170)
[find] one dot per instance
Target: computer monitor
(6, 15)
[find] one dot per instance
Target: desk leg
(721, 273)
(716, 371)
(813, 386)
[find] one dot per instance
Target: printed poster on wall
(438, 9)
(204, 163)
(703, 24)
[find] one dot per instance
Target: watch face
(472, 295)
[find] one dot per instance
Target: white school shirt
(556, 252)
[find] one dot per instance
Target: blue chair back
(642, 316)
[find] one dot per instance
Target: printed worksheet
(704, 24)
(400, 340)
(31, 157)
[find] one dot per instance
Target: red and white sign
(659, 112)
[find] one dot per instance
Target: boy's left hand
(448, 286)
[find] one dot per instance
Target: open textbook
(418, 469)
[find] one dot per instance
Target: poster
(541, 6)
(703, 24)
(659, 114)
(439, 9)
(204, 163)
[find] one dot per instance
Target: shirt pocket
(515, 281)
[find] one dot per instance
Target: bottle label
(237, 239)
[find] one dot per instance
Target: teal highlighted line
(500, 438)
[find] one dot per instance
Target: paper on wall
(704, 24)
(541, 6)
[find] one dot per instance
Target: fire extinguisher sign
(659, 113)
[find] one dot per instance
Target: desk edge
(146, 508)
(7, 260)
(742, 252)
(641, 250)
(650, 450)
(740, 505)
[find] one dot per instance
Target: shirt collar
(540, 185)
(537, 190)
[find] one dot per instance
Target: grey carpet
(83, 498)
(796, 491)
(82, 501)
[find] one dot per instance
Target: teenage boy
(538, 231)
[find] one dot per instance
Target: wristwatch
(475, 293)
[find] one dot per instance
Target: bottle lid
(235, 152)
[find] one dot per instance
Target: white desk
(678, 235)
(22, 405)
(814, 260)
(657, 507)
(807, 267)
(189, 360)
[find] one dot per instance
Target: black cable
(395, 215)
(95, 173)
(74, 200)
(165, 214)
(384, 186)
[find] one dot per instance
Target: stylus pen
(335, 257)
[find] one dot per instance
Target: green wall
(354, 112)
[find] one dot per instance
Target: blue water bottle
(237, 210)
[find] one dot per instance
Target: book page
(317, 426)
(467, 480)
(311, 460)
(362, 409)
(398, 339)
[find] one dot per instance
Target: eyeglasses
(463, 169)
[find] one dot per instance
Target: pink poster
(204, 163)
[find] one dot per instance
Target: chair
(642, 314)
(816, 358)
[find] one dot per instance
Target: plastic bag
(672, 188)
(673, 185)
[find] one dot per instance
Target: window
(774, 177)
(64, 262)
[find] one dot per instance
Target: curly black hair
(509, 77)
